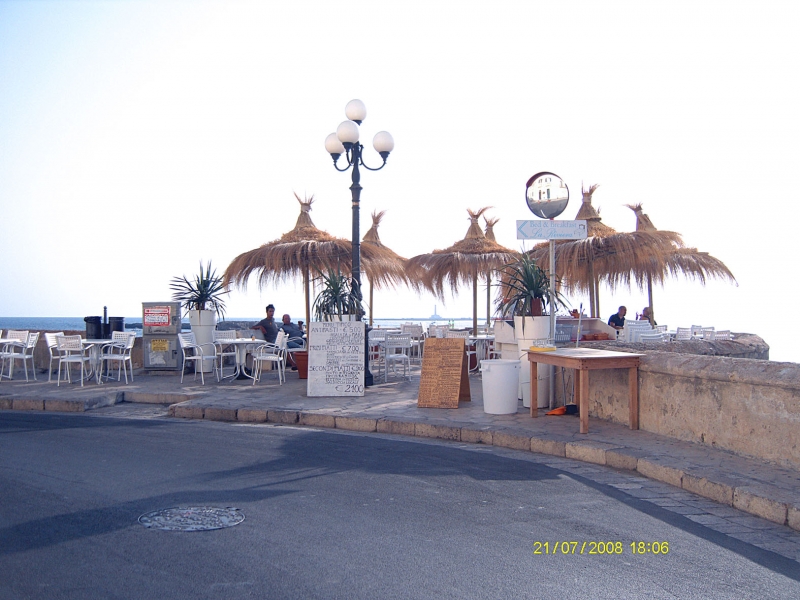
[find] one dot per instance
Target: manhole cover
(192, 518)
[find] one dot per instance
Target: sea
(134, 323)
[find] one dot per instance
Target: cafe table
(243, 347)
(95, 346)
(584, 360)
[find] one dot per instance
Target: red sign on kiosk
(157, 316)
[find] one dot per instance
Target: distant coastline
(135, 323)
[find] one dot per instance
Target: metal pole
(355, 191)
(551, 369)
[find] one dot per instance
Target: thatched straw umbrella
(461, 263)
(605, 253)
(689, 262)
(385, 268)
(305, 251)
(489, 233)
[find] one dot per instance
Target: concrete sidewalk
(753, 486)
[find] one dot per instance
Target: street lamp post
(345, 141)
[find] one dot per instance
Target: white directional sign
(551, 230)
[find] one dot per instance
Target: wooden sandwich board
(445, 378)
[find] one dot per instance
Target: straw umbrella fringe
(689, 262)
(489, 233)
(386, 268)
(305, 251)
(605, 253)
(461, 263)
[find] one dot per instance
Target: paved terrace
(753, 486)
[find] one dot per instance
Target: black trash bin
(94, 328)
(116, 324)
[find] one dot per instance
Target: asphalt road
(337, 515)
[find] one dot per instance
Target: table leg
(583, 376)
(633, 397)
(534, 389)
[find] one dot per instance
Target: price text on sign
(444, 379)
(551, 230)
(336, 359)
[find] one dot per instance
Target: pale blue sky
(173, 132)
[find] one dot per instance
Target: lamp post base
(368, 379)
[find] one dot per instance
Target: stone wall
(747, 406)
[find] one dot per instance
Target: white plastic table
(243, 347)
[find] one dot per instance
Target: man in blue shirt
(617, 320)
(293, 331)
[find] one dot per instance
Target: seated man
(267, 326)
(647, 315)
(617, 320)
(294, 332)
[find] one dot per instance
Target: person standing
(617, 320)
(268, 326)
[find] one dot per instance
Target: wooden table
(584, 360)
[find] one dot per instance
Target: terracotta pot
(301, 360)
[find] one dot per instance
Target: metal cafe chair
(119, 351)
(224, 349)
(52, 348)
(393, 343)
(271, 353)
(192, 351)
(23, 352)
(71, 351)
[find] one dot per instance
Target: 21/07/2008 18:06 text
(600, 548)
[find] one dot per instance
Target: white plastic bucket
(500, 383)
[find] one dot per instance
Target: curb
(756, 500)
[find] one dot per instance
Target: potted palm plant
(338, 300)
(524, 293)
(202, 299)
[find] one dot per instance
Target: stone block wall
(750, 407)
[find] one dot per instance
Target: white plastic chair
(291, 351)
(119, 351)
(71, 351)
(469, 347)
(10, 345)
(376, 338)
(633, 330)
(23, 352)
(223, 348)
(393, 343)
(52, 348)
(193, 351)
(271, 353)
(417, 339)
(651, 338)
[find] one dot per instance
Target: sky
(139, 138)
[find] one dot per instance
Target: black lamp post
(345, 141)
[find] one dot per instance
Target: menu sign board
(336, 359)
(444, 380)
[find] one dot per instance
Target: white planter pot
(203, 324)
(527, 329)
